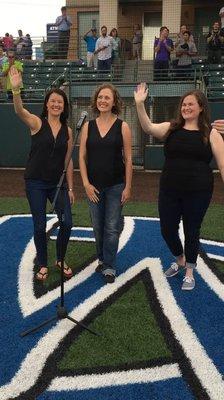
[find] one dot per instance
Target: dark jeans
(38, 192)
(191, 207)
(161, 69)
(63, 42)
(106, 217)
(104, 65)
(214, 56)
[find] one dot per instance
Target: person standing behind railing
(185, 52)
(163, 47)
(180, 36)
(104, 46)
(215, 40)
(11, 61)
(137, 42)
(90, 38)
(116, 49)
(64, 24)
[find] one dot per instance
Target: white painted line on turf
(86, 382)
(215, 257)
(202, 365)
(210, 278)
(27, 299)
(4, 218)
(212, 242)
(36, 358)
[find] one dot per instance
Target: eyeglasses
(11, 56)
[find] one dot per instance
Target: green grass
(129, 332)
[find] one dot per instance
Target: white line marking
(85, 382)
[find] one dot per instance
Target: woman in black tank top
(186, 183)
(51, 143)
(106, 168)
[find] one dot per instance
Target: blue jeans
(38, 192)
(106, 217)
(191, 207)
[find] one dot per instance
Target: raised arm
(31, 120)
(159, 131)
(217, 145)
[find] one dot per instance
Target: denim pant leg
(37, 198)
(113, 208)
(62, 205)
(170, 211)
(195, 205)
(97, 211)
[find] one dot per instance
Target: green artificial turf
(129, 334)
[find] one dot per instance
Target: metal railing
(48, 49)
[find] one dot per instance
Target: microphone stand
(59, 198)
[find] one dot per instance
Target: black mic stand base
(61, 314)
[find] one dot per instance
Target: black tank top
(105, 164)
(47, 154)
(187, 160)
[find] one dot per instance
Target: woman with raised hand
(51, 143)
(105, 160)
(186, 183)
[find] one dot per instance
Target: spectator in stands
(215, 40)
(20, 44)
(104, 46)
(90, 38)
(186, 183)
(180, 36)
(163, 47)
(28, 47)
(51, 143)
(185, 52)
(17, 64)
(221, 14)
(64, 24)
(137, 42)
(8, 42)
(116, 49)
(106, 168)
(3, 59)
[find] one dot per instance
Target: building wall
(73, 12)
(131, 15)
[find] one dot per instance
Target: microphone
(81, 120)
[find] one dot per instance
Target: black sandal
(67, 275)
(41, 276)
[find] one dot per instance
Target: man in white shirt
(103, 50)
(64, 24)
(221, 14)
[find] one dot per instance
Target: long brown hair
(204, 120)
(117, 107)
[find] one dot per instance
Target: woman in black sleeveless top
(51, 142)
(106, 168)
(186, 183)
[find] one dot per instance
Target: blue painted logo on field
(20, 313)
